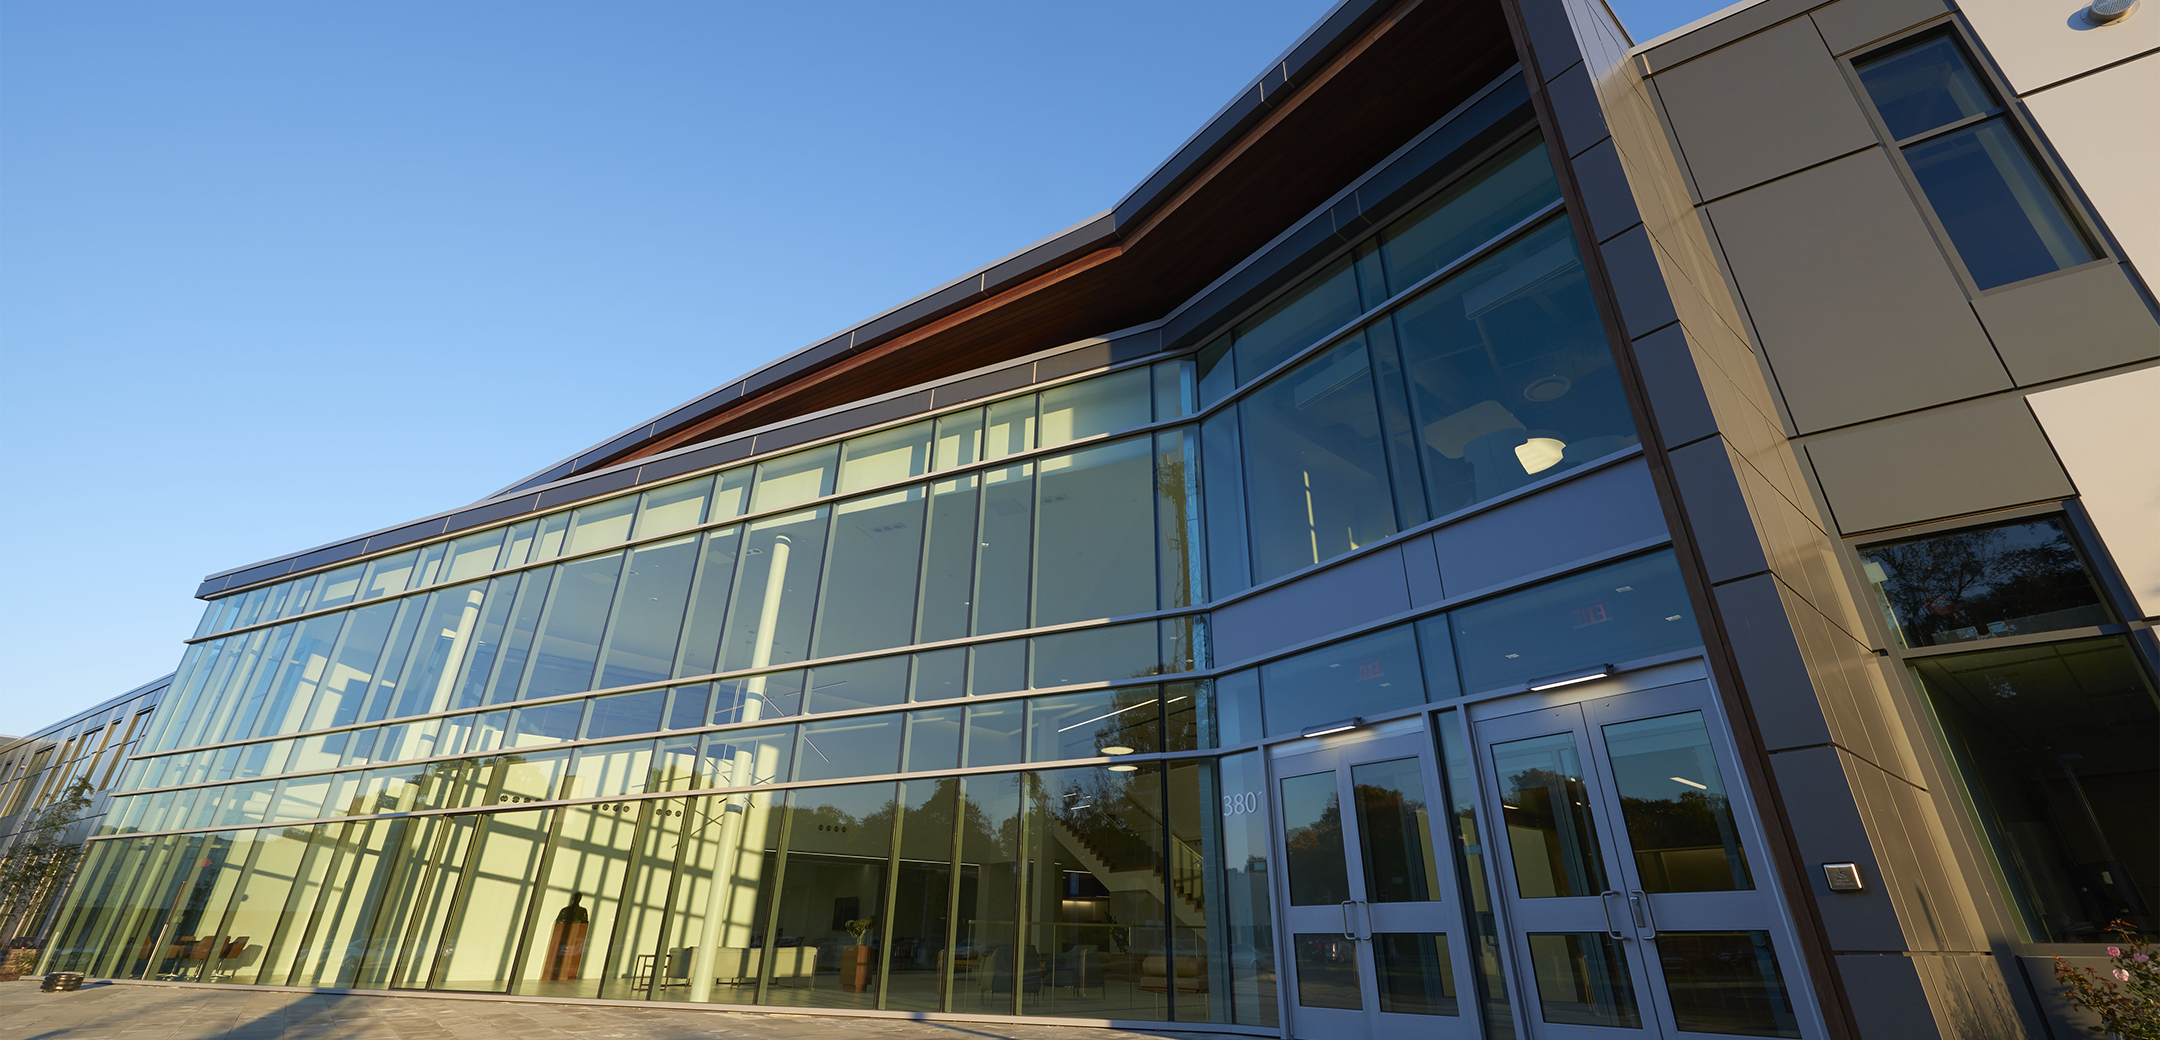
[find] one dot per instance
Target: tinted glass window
(2054, 751)
(1626, 611)
(1924, 85)
(2015, 579)
(1367, 676)
(1315, 470)
(2005, 218)
(1467, 214)
(1510, 375)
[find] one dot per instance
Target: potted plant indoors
(855, 958)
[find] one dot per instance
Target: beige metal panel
(1945, 462)
(2104, 128)
(1856, 308)
(2076, 322)
(1761, 108)
(2038, 42)
(2104, 432)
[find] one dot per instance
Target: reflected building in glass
(1458, 551)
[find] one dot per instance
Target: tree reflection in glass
(1983, 584)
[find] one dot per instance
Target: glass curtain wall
(1498, 374)
(1078, 891)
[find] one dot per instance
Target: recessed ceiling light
(1117, 749)
(1123, 768)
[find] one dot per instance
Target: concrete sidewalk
(147, 1012)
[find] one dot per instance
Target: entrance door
(1636, 894)
(1374, 930)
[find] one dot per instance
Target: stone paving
(110, 1011)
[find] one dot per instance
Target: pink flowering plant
(2127, 995)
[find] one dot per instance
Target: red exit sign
(1594, 614)
(1369, 670)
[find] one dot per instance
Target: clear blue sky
(274, 274)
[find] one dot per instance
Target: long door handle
(1639, 907)
(1348, 931)
(1613, 924)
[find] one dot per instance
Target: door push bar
(1637, 915)
(1349, 928)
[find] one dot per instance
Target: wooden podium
(565, 952)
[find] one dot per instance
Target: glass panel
(916, 945)
(1010, 427)
(389, 574)
(517, 545)
(673, 508)
(1468, 213)
(959, 440)
(1546, 808)
(1583, 980)
(1093, 655)
(352, 667)
(732, 497)
(748, 757)
(727, 940)
(769, 620)
(1511, 378)
(479, 944)
(995, 734)
(1237, 708)
(1923, 85)
(1679, 821)
(523, 624)
(1179, 547)
(700, 647)
(757, 697)
(1104, 722)
(339, 587)
(473, 554)
(1229, 557)
(2054, 753)
(1619, 613)
(1474, 876)
(2001, 212)
(1095, 537)
(858, 684)
(1327, 971)
(870, 579)
(1316, 477)
(1370, 675)
(625, 714)
(1394, 831)
(1726, 982)
(938, 675)
(569, 637)
(690, 708)
(1094, 942)
(1174, 389)
(2016, 579)
(1091, 407)
(791, 479)
(1297, 319)
(948, 571)
(1247, 914)
(1313, 841)
(1005, 542)
(580, 899)
(864, 746)
(933, 740)
(1414, 973)
(987, 906)
(430, 568)
(643, 630)
(885, 457)
(446, 633)
(832, 894)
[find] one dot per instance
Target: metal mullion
(948, 964)
(460, 900)
(892, 893)
(772, 903)
(1949, 127)
(530, 917)
(2011, 642)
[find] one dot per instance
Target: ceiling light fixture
(1123, 768)
(1690, 783)
(1551, 682)
(1117, 749)
(1539, 454)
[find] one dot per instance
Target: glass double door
(1369, 890)
(1637, 898)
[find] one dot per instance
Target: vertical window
(2006, 221)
